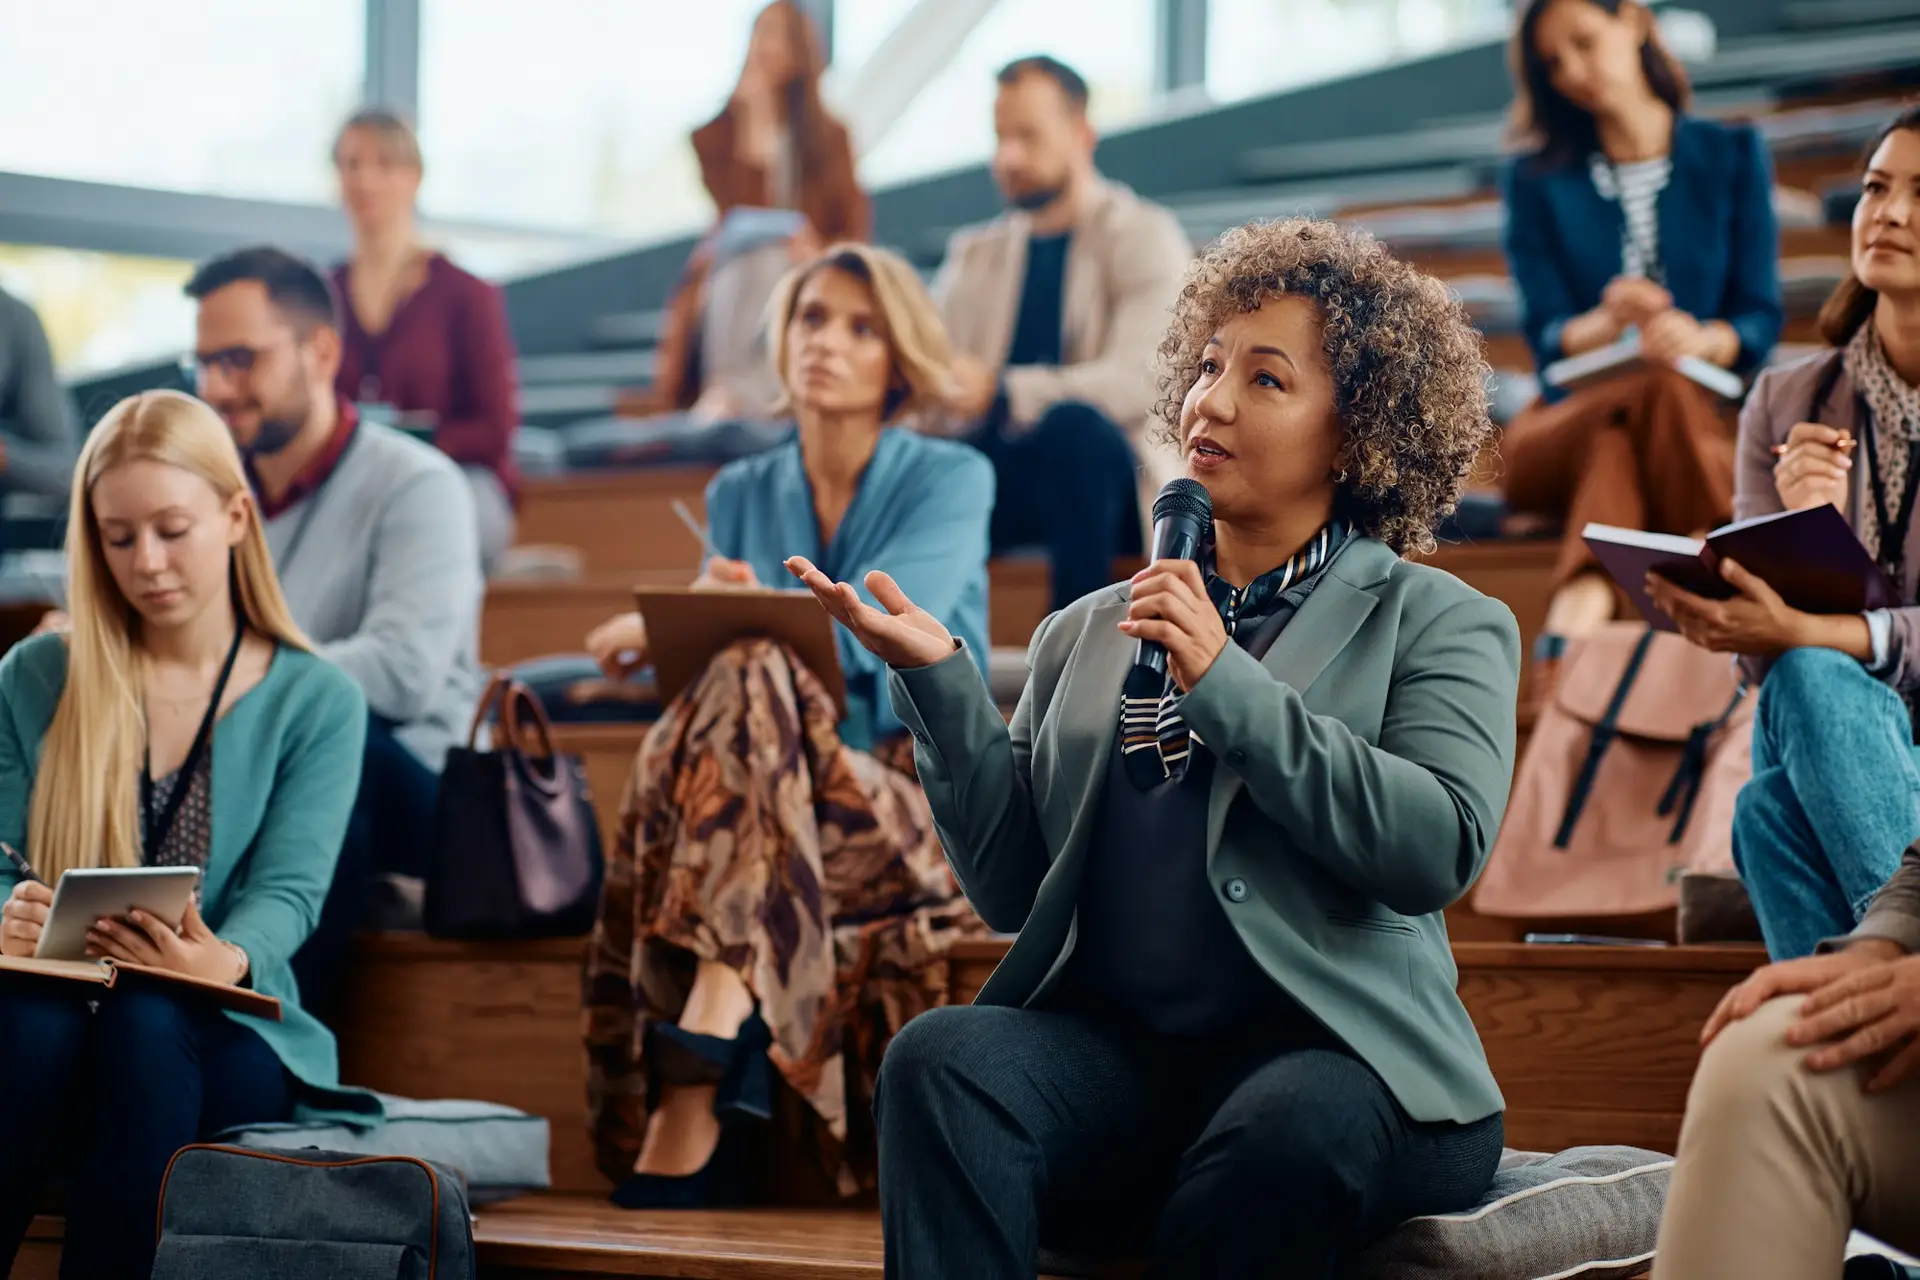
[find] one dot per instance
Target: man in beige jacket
(1804, 1114)
(1057, 308)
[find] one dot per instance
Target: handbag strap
(517, 700)
(497, 683)
(1602, 737)
(1684, 788)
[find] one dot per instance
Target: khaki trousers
(1777, 1163)
(1647, 450)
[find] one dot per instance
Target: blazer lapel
(1099, 670)
(1083, 309)
(1003, 287)
(1594, 225)
(1325, 625)
(1688, 191)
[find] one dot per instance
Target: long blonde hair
(85, 806)
(922, 376)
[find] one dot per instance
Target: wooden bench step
(556, 1236)
(1589, 1044)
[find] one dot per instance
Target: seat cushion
(500, 1152)
(1588, 1212)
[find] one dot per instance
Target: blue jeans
(1834, 799)
(1069, 484)
(111, 1095)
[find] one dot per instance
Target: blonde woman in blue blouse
(778, 899)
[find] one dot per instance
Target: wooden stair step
(1590, 1044)
(555, 1236)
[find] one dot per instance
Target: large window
(1110, 42)
(101, 310)
(228, 97)
(1265, 46)
(573, 114)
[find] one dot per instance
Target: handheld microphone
(1182, 518)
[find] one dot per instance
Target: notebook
(1811, 557)
(107, 973)
(1589, 367)
(687, 626)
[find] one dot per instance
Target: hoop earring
(1341, 477)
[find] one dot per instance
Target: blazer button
(1236, 757)
(1236, 890)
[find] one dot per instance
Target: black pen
(20, 864)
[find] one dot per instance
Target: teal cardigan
(920, 515)
(286, 766)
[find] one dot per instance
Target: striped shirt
(1636, 187)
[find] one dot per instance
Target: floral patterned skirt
(750, 836)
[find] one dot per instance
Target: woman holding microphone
(1230, 1010)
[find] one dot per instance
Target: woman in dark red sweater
(418, 333)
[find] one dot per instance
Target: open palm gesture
(905, 635)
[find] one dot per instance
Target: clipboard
(687, 627)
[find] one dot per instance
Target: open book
(1623, 356)
(107, 973)
(687, 626)
(1811, 557)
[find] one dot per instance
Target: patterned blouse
(190, 840)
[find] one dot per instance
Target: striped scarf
(1155, 743)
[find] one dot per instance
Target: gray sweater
(37, 423)
(1895, 911)
(381, 568)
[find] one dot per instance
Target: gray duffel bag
(228, 1213)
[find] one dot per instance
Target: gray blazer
(1365, 768)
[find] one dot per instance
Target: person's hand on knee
(1872, 1012)
(1796, 977)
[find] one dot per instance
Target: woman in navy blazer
(1627, 217)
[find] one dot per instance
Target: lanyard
(312, 501)
(1893, 530)
(155, 833)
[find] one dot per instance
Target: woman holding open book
(184, 721)
(1800, 1121)
(777, 899)
(1629, 224)
(1835, 793)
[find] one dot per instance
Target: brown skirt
(1647, 451)
(749, 835)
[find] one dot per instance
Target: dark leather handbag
(517, 851)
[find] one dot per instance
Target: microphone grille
(1183, 496)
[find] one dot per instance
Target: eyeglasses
(234, 362)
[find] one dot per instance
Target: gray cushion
(1588, 1212)
(501, 1152)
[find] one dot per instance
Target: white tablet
(86, 895)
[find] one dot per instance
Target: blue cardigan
(920, 514)
(1719, 240)
(286, 765)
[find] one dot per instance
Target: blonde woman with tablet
(183, 721)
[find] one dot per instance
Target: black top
(1038, 336)
(1154, 946)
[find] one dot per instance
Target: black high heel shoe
(743, 1075)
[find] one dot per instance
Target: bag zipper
(433, 1181)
